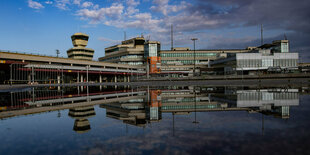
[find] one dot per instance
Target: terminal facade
(274, 57)
(176, 62)
(140, 57)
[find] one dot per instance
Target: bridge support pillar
(124, 79)
(58, 82)
(100, 78)
(82, 80)
(29, 78)
(58, 79)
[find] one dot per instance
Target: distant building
(79, 51)
(273, 57)
(183, 59)
(129, 52)
(136, 51)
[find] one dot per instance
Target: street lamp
(57, 52)
(194, 40)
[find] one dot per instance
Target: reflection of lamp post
(263, 125)
(194, 40)
(195, 122)
(172, 124)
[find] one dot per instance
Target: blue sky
(42, 26)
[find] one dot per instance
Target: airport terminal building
(177, 61)
(273, 57)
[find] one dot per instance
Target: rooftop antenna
(285, 38)
(125, 35)
(148, 38)
(171, 37)
(261, 34)
(57, 52)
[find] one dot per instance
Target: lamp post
(57, 52)
(194, 40)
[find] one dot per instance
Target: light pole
(194, 40)
(57, 52)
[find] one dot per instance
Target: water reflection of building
(146, 106)
(130, 112)
(80, 114)
(137, 112)
(41, 99)
(274, 102)
(154, 105)
(184, 102)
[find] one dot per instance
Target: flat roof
(48, 59)
(80, 34)
(206, 50)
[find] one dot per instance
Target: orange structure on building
(154, 64)
(155, 99)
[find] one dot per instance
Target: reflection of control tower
(80, 114)
(79, 51)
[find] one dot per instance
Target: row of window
(112, 50)
(132, 56)
(79, 37)
(187, 54)
(285, 62)
(282, 48)
(190, 107)
(80, 50)
(267, 62)
(125, 56)
(182, 100)
(81, 55)
(185, 62)
(132, 63)
(266, 96)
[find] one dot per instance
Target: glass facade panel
(284, 48)
(267, 62)
(187, 54)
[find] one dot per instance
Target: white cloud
(96, 6)
(114, 12)
(132, 2)
(117, 15)
(62, 4)
(77, 2)
(35, 5)
(131, 6)
(87, 4)
(163, 7)
(48, 2)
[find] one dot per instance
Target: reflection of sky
(217, 132)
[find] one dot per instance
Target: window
(284, 48)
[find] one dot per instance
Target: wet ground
(155, 120)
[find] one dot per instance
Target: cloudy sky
(42, 26)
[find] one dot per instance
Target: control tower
(79, 51)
